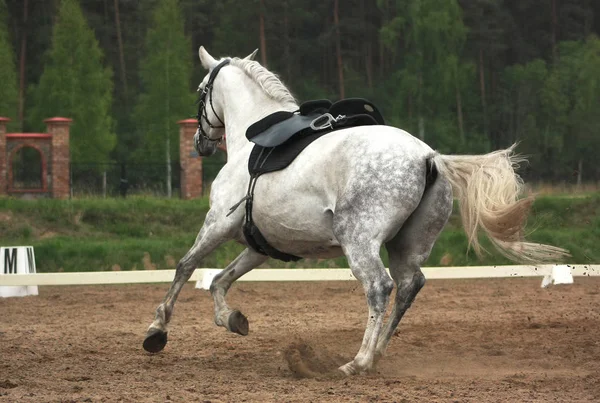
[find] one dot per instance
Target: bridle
(202, 112)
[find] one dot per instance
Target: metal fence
(114, 179)
(122, 179)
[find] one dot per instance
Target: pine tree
(431, 37)
(166, 97)
(75, 84)
(583, 141)
(8, 73)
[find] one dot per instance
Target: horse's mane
(268, 81)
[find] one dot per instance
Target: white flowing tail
(487, 188)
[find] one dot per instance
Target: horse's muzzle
(204, 146)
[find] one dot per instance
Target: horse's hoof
(348, 369)
(155, 340)
(238, 323)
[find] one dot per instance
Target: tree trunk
(168, 119)
(263, 41)
(579, 173)
(381, 49)
(420, 109)
(22, 64)
(554, 29)
(366, 46)
(325, 56)
(482, 89)
(338, 47)
(459, 113)
(286, 41)
(121, 53)
(381, 58)
(369, 65)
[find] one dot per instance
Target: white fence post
(16, 260)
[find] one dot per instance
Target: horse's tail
(487, 189)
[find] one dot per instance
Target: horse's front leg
(212, 234)
(233, 320)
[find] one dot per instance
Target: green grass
(143, 233)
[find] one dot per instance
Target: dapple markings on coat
(349, 192)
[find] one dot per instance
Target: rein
(202, 112)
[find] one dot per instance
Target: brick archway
(43, 188)
(53, 147)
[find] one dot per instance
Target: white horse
(349, 192)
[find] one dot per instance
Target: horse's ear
(208, 62)
(251, 56)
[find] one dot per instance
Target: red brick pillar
(191, 162)
(59, 129)
(3, 156)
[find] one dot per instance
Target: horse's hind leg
(210, 237)
(410, 248)
(367, 267)
(233, 320)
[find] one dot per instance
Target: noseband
(202, 112)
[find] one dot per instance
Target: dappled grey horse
(348, 193)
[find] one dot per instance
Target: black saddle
(281, 136)
(279, 127)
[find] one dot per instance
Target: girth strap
(254, 237)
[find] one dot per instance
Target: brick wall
(59, 129)
(191, 162)
(3, 162)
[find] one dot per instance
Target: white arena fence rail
(204, 275)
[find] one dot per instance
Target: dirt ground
(462, 341)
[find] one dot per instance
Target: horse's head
(211, 119)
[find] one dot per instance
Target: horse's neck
(245, 103)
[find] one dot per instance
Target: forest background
(467, 76)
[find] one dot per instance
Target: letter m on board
(10, 261)
(30, 261)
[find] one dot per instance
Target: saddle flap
(278, 133)
(317, 106)
(260, 126)
(356, 106)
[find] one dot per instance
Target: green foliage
(467, 76)
(95, 234)
(553, 108)
(165, 73)
(8, 72)
(585, 116)
(229, 39)
(432, 74)
(75, 84)
(524, 87)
